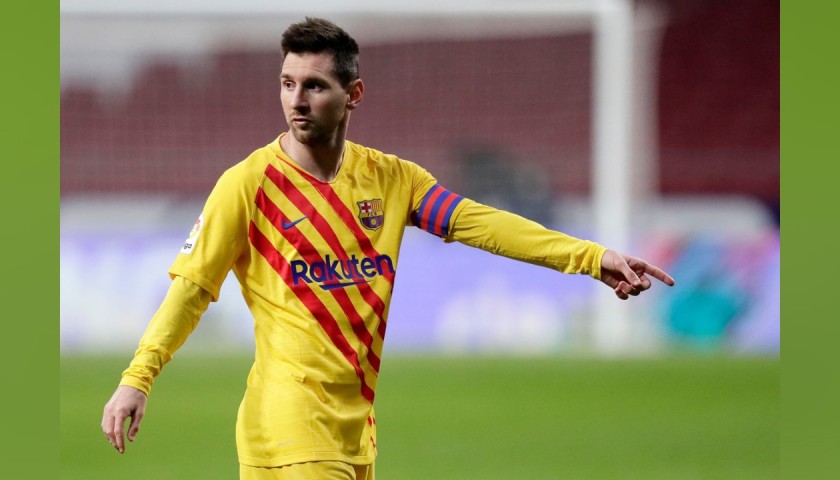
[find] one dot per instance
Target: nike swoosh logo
(288, 225)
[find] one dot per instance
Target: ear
(355, 93)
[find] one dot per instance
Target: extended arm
(176, 318)
(512, 236)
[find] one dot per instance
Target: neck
(322, 160)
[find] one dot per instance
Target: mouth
(300, 121)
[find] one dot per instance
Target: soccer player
(311, 226)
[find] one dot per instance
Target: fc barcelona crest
(371, 213)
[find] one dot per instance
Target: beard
(314, 135)
(306, 137)
(317, 132)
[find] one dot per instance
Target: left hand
(628, 275)
(126, 402)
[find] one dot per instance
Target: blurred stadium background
(535, 107)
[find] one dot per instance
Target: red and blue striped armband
(436, 210)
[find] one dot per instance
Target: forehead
(307, 65)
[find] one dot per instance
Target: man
(311, 225)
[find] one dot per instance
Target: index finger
(659, 274)
(119, 434)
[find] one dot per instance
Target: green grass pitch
(681, 417)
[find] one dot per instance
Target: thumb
(628, 272)
(620, 264)
(135, 424)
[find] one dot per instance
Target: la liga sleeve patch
(189, 243)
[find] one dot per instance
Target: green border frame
(809, 42)
(30, 212)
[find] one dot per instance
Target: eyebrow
(309, 78)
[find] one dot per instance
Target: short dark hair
(316, 35)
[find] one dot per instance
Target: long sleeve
(168, 329)
(507, 234)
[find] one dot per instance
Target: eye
(288, 84)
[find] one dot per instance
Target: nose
(298, 100)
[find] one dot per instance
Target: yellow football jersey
(316, 262)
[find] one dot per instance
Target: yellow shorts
(308, 471)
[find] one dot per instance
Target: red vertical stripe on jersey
(310, 254)
(320, 223)
(344, 213)
(312, 302)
